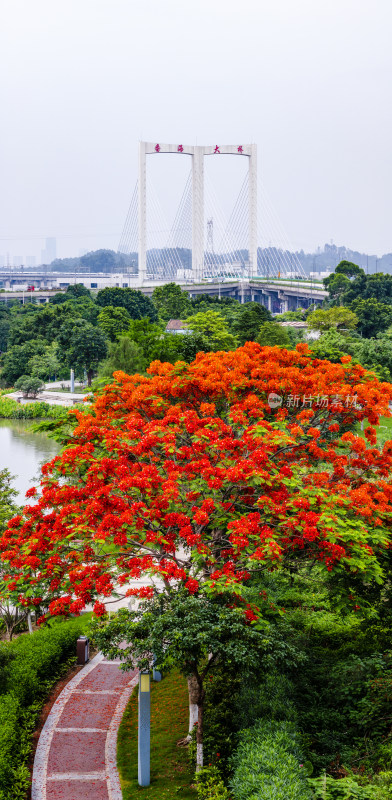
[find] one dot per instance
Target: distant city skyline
(318, 260)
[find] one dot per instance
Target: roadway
(277, 295)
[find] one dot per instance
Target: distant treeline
(270, 260)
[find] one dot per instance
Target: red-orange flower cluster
(190, 476)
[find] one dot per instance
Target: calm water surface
(23, 452)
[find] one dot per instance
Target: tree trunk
(89, 376)
(29, 622)
(193, 690)
(199, 736)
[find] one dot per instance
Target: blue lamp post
(144, 729)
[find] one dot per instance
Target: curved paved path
(76, 753)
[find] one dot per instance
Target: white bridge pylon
(197, 152)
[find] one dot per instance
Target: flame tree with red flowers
(194, 476)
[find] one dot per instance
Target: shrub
(326, 788)
(270, 698)
(10, 409)
(29, 666)
(15, 733)
(210, 785)
(37, 660)
(235, 702)
(29, 386)
(267, 764)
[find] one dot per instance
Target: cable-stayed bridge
(233, 246)
(202, 241)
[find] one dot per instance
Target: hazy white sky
(81, 81)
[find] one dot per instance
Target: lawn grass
(171, 774)
(384, 430)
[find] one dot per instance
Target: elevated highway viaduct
(276, 295)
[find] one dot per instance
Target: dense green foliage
(332, 697)
(10, 409)
(246, 326)
(366, 300)
(267, 763)
(335, 318)
(80, 330)
(171, 302)
(135, 302)
(271, 333)
(28, 668)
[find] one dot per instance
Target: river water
(23, 452)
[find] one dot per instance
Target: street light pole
(144, 729)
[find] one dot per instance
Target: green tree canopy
(214, 328)
(373, 316)
(45, 323)
(365, 287)
(146, 334)
(58, 298)
(82, 346)
(171, 302)
(5, 323)
(349, 269)
(74, 290)
(376, 354)
(332, 346)
(190, 345)
(83, 307)
(220, 303)
(271, 333)
(228, 307)
(136, 303)
(45, 365)
(16, 361)
(337, 317)
(114, 321)
(123, 355)
(248, 321)
(338, 286)
(299, 315)
(77, 290)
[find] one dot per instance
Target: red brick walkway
(76, 753)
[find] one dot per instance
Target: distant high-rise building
(18, 261)
(2, 261)
(49, 254)
(30, 261)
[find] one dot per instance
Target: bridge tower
(198, 153)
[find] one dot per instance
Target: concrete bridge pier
(284, 302)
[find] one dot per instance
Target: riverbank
(48, 405)
(37, 409)
(51, 397)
